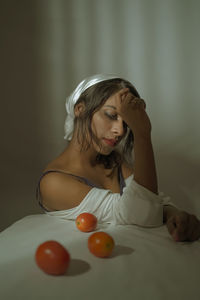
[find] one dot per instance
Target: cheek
(99, 126)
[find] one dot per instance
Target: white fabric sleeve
(137, 206)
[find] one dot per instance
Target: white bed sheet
(146, 264)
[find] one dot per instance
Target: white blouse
(137, 205)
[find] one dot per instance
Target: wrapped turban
(73, 98)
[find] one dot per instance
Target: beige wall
(47, 47)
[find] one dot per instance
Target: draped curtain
(49, 46)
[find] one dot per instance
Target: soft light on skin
(108, 125)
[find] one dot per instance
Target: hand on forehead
(117, 98)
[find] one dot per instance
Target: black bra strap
(82, 179)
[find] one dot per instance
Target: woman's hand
(132, 110)
(181, 225)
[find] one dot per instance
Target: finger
(141, 103)
(131, 98)
(182, 224)
(133, 101)
(172, 228)
(191, 227)
(123, 92)
(171, 225)
(182, 220)
(138, 103)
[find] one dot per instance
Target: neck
(82, 157)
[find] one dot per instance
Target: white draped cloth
(137, 206)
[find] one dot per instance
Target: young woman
(108, 166)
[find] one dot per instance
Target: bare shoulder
(127, 170)
(61, 191)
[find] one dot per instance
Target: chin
(104, 151)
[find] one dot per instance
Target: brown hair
(94, 98)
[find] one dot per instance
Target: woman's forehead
(111, 101)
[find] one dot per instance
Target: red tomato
(52, 258)
(101, 244)
(86, 222)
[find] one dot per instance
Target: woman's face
(108, 127)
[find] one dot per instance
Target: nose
(118, 127)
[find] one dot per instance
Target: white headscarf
(73, 98)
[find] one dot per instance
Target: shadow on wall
(22, 144)
(179, 178)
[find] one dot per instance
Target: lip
(110, 142)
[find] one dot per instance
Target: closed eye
(114, 117)
(111, 116)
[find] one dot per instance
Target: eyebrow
(110, 106)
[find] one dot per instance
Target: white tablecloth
(146, 264)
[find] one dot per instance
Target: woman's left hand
(183, 226)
